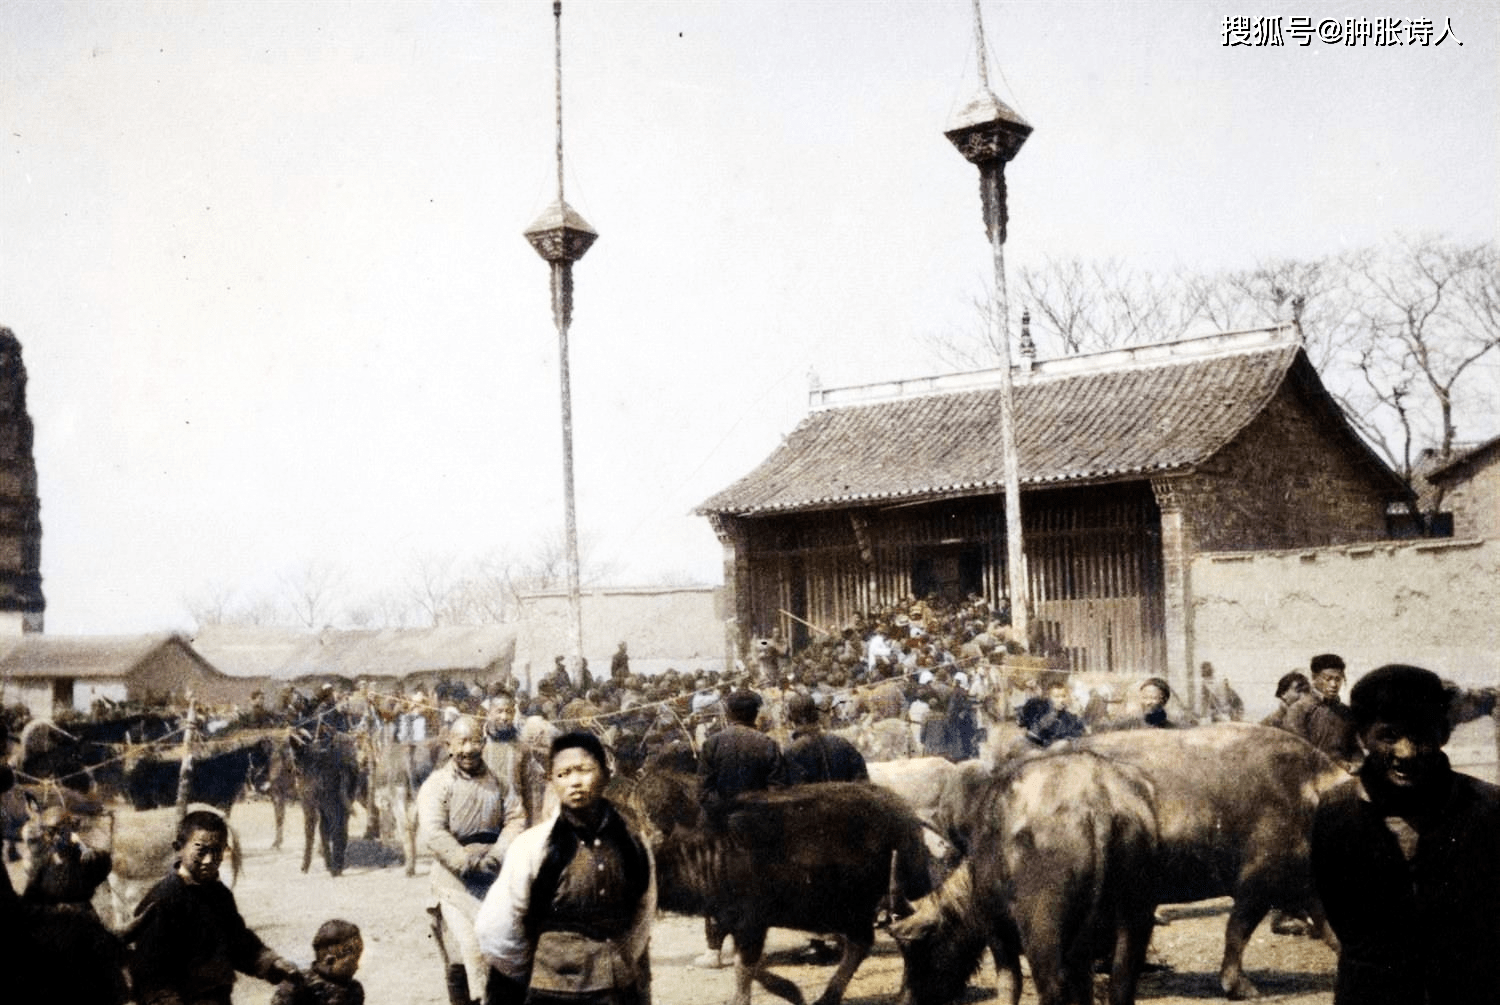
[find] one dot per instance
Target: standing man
(1321, 719)
(569, 920)
(738, 758)
(815, 756)
(504, 754)
(466, 818)
(1404, 856)
(1289, 688)
(1221, 703)
(1154, 694)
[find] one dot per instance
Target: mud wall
(662, 627)
(1256, 615)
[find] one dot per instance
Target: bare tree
(429, 587)
(311, 590)
(260, 610)
(1430, 328)
(388, 608)
(1404, 336)
(212, 604)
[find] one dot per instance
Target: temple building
(1132, 461)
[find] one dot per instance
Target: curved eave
(957, 491)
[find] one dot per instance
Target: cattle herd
(1062, 856)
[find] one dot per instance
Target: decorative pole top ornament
(560, 234)
(987, 130)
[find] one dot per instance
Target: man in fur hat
(1404, 856)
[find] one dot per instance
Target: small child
(189, 937)
(336, 950)
(63, 870)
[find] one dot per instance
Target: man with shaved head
(467, 818)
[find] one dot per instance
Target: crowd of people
(544, 893)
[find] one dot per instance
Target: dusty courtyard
(401, 965)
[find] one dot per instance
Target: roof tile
(1076, 427)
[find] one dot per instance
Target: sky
(266, 265)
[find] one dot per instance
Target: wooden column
(731, 534)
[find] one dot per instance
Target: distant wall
(1256, 615)
(662, 627)
(34, 694)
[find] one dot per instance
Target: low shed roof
(286, 654)
(85, 656)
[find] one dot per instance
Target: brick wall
(1474, 501)
(1256, 615)
(1286, 481)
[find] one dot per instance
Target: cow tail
(911, 865)
(236, 855)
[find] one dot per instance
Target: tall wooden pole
(989, 133)
(561, 237)
(185, 770)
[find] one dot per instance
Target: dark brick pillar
(731, 534)
(1176, 554)
(20, 508)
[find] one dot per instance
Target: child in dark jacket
(189, 938)
(336, 950)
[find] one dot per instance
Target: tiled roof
(1135, 413)
(1463, 456)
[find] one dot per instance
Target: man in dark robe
(1404, 856)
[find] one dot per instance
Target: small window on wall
(1440, 525)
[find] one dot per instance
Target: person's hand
(281, 969)
(480, 862)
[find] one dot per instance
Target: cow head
(258, 765)
(941, 943)
(661, 802)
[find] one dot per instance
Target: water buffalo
(216, 779)
(1062, 850)
(1235, 803)
(816, 858)
(920, 781)
(881, 739)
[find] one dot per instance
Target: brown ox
(1062, 849)
(1235, 803)
(816, 858)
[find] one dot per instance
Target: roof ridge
(1151, 355)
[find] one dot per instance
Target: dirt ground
(401, 963)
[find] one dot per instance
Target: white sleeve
(500, 925)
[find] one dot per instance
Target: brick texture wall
(1474, 501)
(1286, 481)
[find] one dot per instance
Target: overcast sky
(265, 259)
